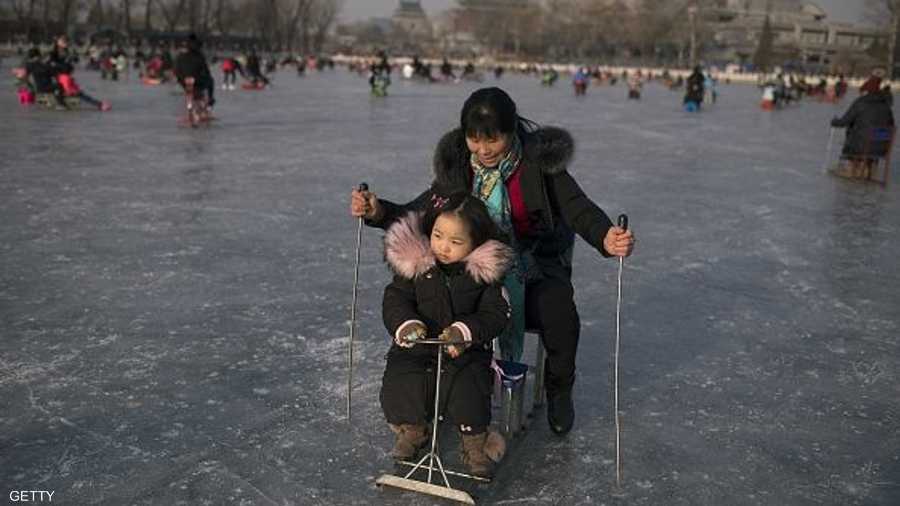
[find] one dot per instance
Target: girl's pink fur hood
(408, 252)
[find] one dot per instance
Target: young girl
(448, 272)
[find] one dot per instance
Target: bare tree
(653, 24)
(97, 14)
(206, 15)
(172, 11)
(265, 15)
(148, 15)
(45, 17)
(323, 14)
(126, 15)
(24, 11)
(226, 16)
(762, 58)
(65, 14)
(200, 13)
(494, 22)
(297, 11)
(887, 12)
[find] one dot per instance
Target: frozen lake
(174, 302)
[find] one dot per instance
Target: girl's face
(450, 239)
(490, 150)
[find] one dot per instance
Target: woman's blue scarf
(489, 186)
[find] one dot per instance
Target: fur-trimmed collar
(549, 148)
(408, 253)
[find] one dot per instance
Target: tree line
(301, 25)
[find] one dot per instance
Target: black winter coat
(61, 61)
(695, 87)
(557, 206)
(192, 63)
(42, 76)
(438, 295)
(867, 113)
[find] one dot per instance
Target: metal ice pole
(623, 223)
(362, 187)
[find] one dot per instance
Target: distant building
(802, 32)
(411, 18)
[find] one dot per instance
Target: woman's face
(490, 150)
(450, 239)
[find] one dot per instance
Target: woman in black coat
(541, 208)
(868, 116)
(695, 87)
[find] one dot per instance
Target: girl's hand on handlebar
(452, 333)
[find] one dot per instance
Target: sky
(354, 10)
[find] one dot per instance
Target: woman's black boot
(560, 408)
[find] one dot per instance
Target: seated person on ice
(192, 63)
(254, 71)
(695, 88)
(448, 276)
(869, 112)
(380, 72)
(61, 64)
(38, 77)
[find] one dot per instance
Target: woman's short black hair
(469, 209)
(491, 113)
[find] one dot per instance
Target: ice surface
(174, 302)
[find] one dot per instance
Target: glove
(412, 332)
(452, 333)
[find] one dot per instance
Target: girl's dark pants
(407, 388)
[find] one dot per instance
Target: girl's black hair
(490, 112)
(469, 209)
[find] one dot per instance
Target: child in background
(23, 86)
(448, 275)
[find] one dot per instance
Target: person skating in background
(549, 76)
(36, 77)
(469, 73)
(635, 85)
(380, 75)
(867, 114)
(230, 68)
(581, 80)
(61, 62)
(711, 94)
(191, 62)
(254, 71)
(841, 87)
(166, 62)
(447, 71)
(448, 265)
(695, 89)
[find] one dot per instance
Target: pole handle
(363, 187)
(623, 221)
